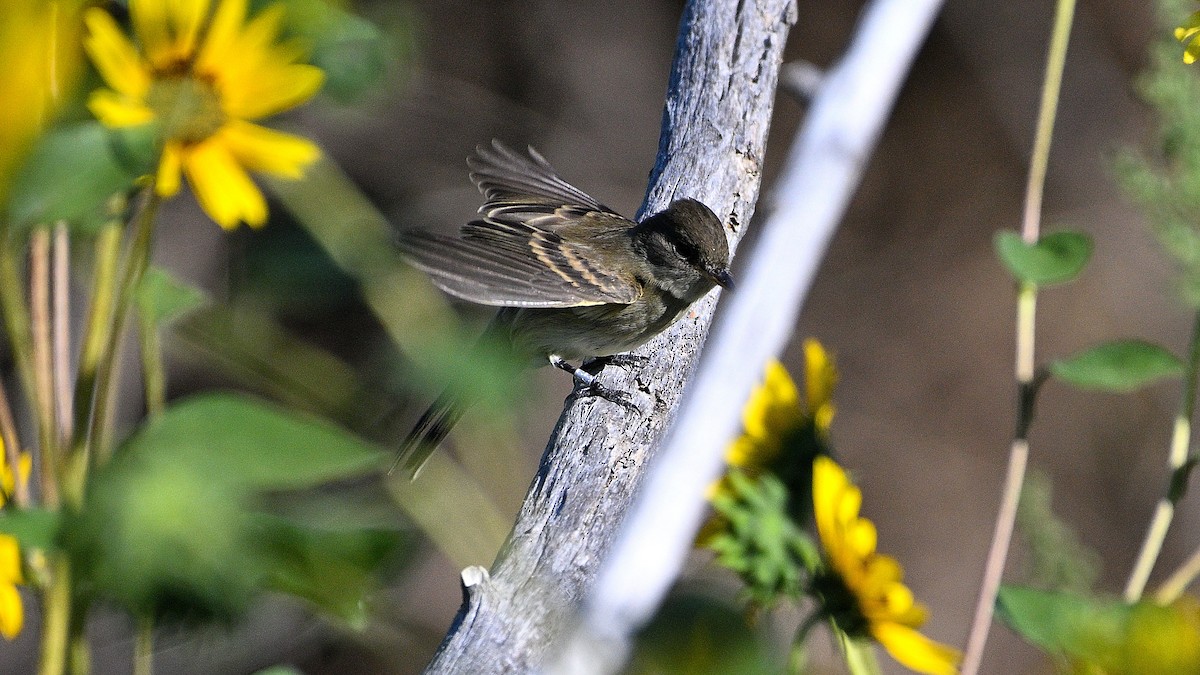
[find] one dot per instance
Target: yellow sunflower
(202, 73)
(862, 590)
(12, 613)
(775, 410)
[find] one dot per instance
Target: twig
(821, 174)
(61, 310)
(43, 377)
(1018, 457)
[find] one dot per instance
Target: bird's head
(688, 246)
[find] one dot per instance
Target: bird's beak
(722, 278)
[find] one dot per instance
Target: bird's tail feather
(429, 432)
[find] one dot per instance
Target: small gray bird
(575, 279)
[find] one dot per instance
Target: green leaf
(163, 298)
(33, 528)
(1117, 638)
(347, 47)
(235, 438)
(1063, 624)
(74, 172)
(165, 540)
(333, 569)
(1056, 258)
(1122, 366)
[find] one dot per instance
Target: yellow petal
(115, 110)
(10, 560)
(915, 651)
(12, 613)
(115, 57)
(820, 375)
(222, 187)
(270, 90)
(153, 32)
(829, 482)
(260, 149)
(187, 17)
(222, 32)
(166, 182)
(750, 453)
(861, 537)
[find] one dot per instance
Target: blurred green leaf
(74, 172)
(253, 444)
(1058, 560)
(1117, 638)
(349, 48)
(163, 298)
(253, 348)
(1121, 365)
(1056, 258)
(697, 634)
(176, 525)
(333, 569)
(165, 540)
(33, 528)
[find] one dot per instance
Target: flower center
(188, 108)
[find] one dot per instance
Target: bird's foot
(591, 386)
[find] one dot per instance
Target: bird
(573, 279)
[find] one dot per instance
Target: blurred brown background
(910, 297)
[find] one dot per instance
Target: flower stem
(143, 647)
(12, 450)
(16, 322)
(1018, 456)
(56, 617)
(1177, 460)
(1174, 586)
(43, 375)
(136, 262)
(153, 372)
(61, 317)
(102, 336)
(107, 255)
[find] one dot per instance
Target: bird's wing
(513, 264)
(509, 180)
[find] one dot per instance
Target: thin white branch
(823, 170)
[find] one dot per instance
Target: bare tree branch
(821, 174)
(718, 109)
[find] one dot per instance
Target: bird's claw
(609, 394)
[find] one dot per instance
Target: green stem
(106, 324)
(143, 647)
(1177, 460)
(56, 618)
(1177, 583)
(16, 322)
(797, 658)
(153, 371)
(1018, 457)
